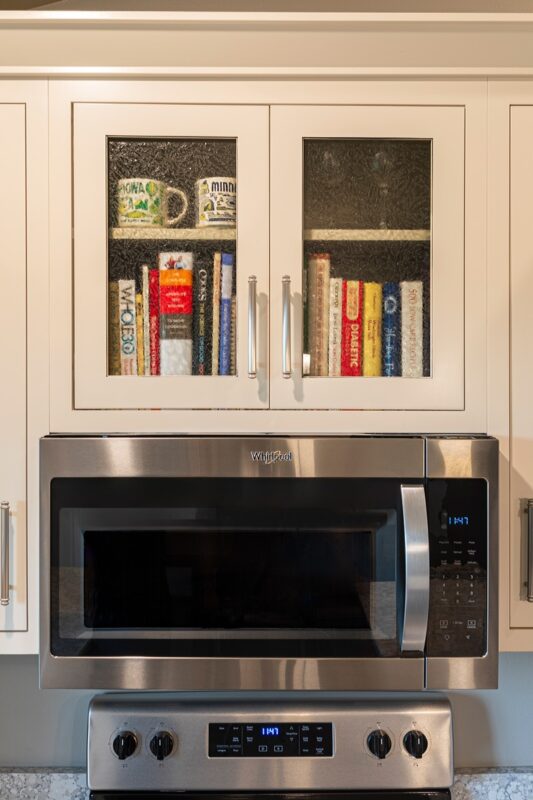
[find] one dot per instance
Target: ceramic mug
(143, 203)
(216, 202)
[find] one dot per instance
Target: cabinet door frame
(93, 123)
(24, 350)
(262, 89)
(444, 126)
(510, 107)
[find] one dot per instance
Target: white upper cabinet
(374, 249)
(228, 255)
(13, 513)
(165, 197)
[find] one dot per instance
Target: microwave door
(416, 554)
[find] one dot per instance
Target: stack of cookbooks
(182, 322)
(353, 327)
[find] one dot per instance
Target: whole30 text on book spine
(153, 281)
(202, 333)
(391, 330)
(372, 329)
(113, 328)
(175, 304)
(226, 289)
(352, 328)
(412, 339)
(318, 308)
(335, 326)
(217, 262)
(128, 327)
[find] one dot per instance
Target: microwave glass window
(172, 215)
(367, 257)
(262, 567)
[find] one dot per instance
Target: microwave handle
(416, 542)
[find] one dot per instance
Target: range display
(278, 739)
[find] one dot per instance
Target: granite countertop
(54, 784)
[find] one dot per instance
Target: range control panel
(264, 739)
(184, 743)
(457, 518)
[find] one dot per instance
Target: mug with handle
(143, 203)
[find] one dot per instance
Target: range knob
(379, 744)
(124, 744)
(161, 745)
(415, 743)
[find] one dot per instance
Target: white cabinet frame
(23, 346)
(470, 414)
(445, 128)
(510, 336)
(93, 123)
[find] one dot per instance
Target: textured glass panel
(367, 257)
(172, 256)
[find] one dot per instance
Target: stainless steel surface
(230, 457)
(221, 457)
(286, 326)
(352, 766)
(4, 553)
(364, 457)
(252, 326)
(530, 551)
(416, 600)
(470, 457)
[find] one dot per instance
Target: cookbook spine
(335, 326)
(215, 347)
(318, 294)
(372, 329)
(140, 333)
(153, 280)
(113, 330)
(411, 298)
(202, 333)
(226, 290)
(175, 305)
(352, 328)
(146, 317)
(128, 328)
(392, 352)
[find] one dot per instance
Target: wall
(47, 728)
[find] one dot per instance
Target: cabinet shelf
(202, 234)
(366, 235)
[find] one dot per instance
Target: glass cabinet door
(170, 256)
(367, 240)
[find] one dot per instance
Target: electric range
(208, 748)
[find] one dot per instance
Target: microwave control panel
(264, 739)
(457, 518)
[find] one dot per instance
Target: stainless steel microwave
(262, 563)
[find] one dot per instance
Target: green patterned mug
(143, 203)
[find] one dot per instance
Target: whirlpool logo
(270, 456)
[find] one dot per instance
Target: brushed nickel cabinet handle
(252, 326)
(529, 510)
(286, 326)
(4, 554)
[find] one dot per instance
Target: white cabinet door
(158, 185)
(368, 225)
(521, 254)
(13, 589)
